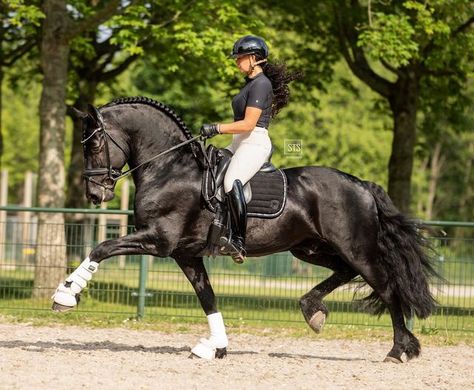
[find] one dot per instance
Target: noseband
(115, 174)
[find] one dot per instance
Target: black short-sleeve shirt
(258, 93)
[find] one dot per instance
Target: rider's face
(244, 63)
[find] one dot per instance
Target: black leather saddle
(226, 158)
(265, 193)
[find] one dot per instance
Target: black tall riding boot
(238, 212)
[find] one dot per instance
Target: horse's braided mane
(153, 103)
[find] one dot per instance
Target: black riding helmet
(250, 44)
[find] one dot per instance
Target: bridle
(114, 174)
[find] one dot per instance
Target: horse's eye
(95, 148)
(96, 143)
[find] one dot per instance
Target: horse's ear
(95, 114)
(77, 114)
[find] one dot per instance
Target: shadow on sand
(40, 346)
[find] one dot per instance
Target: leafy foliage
(390, 38)
(181, 52)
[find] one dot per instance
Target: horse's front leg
(67, 294)
(216, 345)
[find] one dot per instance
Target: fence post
(102, 228)
(3, 214)
(124, 218)
(142, 287)
(89, 234)
(411, 321)
(26, 216)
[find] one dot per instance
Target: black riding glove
(208, 131)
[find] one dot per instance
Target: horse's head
(105, 154)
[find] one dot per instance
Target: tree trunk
(1, 117)
(403, 103)
(51, 248)
(436, 165)
(420, 207)
(467, 195)
(2, 75)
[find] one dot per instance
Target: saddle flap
(223, 164)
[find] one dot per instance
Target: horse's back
(329, 184)
(342, 205)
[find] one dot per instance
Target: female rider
(264, 94)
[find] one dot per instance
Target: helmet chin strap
(252, 66)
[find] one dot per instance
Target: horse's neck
(155, 135)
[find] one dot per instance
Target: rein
(126, 173)
(114, 174)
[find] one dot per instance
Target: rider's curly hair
(280, 77)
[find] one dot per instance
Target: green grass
(185, 310)
(171, 324)
(245, 298)
(167, 278)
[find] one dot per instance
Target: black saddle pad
(268, 194)
(268, 189)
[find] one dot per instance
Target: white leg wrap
(206, 348)
(76, 282)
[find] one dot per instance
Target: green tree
(21, 134)
(169, 35)
(60, 26)
(99, 57)
(412, 40)
(68, 23)
(444, 179)
(18, 31)
(339, 129)
(393, 46)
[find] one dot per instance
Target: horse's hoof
(391, 359)
(57, 307)
(64, 299)
(206, 350)
(317, 321)
(221, 353)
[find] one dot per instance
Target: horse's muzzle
(97, 195)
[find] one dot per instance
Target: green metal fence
(263, 289)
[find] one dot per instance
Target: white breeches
(250, 151)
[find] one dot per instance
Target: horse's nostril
(94, 199)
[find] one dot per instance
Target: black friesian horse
(331, 218)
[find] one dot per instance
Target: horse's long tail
(403, 252)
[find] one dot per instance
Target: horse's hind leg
(403, 340)
(312, 306)
(216, 345)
